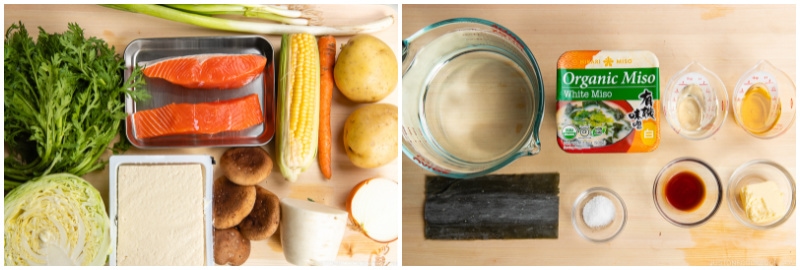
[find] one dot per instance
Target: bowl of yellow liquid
(763, 101)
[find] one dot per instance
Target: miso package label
(608, 102)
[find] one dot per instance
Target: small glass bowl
(760, 171)
(607, 232)
(708, 206)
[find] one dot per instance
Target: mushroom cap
(246, 166)
(230, 247)
(231, 203)
(264, 218)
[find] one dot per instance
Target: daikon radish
(311, 232)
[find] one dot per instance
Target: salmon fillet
(208, 71)
(201, 118)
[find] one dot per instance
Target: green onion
(279, 14)
(291, 20)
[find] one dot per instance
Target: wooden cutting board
(119, 28)
(728, 40)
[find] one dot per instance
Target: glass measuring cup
(695, 102)
(763, 101)
(473, 98)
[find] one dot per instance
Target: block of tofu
(161, 208)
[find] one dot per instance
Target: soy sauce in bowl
(685, 191)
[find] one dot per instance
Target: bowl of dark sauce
(687, 192)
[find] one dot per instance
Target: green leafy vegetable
(59, 219)
(64, 102)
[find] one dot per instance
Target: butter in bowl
(761, 194)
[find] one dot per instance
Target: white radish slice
(373, 207)
(311, 232)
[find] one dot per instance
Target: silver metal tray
(164, 92)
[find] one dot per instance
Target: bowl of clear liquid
(473, 98)
(695, 102)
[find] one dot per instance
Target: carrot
(327, 57)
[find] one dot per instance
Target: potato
(366, 70)
(370, 135)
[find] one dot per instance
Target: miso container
(608, 102)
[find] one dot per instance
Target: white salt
(599, 212)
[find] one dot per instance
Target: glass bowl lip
(732, 205)
(598, 190)
(533, 140)
(717, 204)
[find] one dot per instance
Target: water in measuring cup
(478, 105)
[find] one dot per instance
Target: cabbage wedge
(58, 219)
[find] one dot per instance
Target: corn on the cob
(298, 104)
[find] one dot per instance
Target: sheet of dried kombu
(492, 207)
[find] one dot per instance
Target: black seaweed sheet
(492, 207)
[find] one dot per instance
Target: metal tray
(164, 92)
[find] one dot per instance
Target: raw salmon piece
(201, 118)
(221, 71)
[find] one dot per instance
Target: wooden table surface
(728, 40)
(119, 28)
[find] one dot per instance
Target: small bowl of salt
(599, 214)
